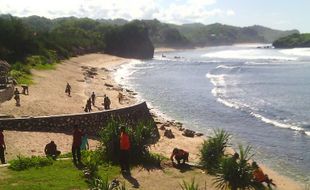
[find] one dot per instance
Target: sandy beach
(47, 97)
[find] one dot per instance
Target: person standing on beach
(88, 105)
(93, 98)
(17, 97)
(124, 150)
(68, 89)
(84, 144)
(105, 102)
(2, 147)
(76, 145)
(108, 103)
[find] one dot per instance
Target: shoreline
(106, 66)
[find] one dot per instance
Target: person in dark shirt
(178, 155)
(51, 150)
(2, 147)
(93, 98)
(76, 145)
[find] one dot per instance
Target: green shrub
(141, 136)
(236, 173)
(23, 163)
(190, 186)
(91, 160)
(213, 150)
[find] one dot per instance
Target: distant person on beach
(88, 105)
(93, 98)
(124, 150)
(260, 177)
(105, 102)
(51, 150)
(2, 147)
(17, 97)
(178, 155)
(120, 97)
(68, 89)
(76, 145)
(84, 144)
(108, 103)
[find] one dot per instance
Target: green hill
(292, 41)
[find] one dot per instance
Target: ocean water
(261, 96)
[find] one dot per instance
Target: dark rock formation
(130, 41)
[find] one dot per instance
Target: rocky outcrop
(130, 41)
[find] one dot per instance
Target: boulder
(188, 133)
(168, 133)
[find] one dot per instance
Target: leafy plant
(213, 150)
(190, 186)
(234, 173)
(23, 163)
(141, 136)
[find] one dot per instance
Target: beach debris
(188, 133)
(108, 85)
(199, 134)
(80, 80)
(162, 127)
(168, 133)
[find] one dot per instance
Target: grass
(62, 175)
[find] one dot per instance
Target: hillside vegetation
(294, 40)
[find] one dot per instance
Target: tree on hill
(294, 40)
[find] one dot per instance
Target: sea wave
(125, 71)
(252, 54)
(297, 52)
(217, 80)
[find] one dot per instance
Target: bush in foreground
(141, 136)
(236, 173)
(23, 163)
(213, 150)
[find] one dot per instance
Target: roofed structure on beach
(4, 69)
(4, 66)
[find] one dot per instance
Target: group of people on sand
(181, 156)
(80, 142)
(90, 102)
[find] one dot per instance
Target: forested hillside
(292, 41)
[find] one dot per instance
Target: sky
(277, 14)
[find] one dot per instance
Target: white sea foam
(225, 67)
(124, 72)
(279, 124)
(247, 54)
(297, 52)
(216, 80)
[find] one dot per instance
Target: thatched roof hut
(4, 69)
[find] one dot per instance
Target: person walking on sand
(108, 103)
(17, 97)
(124, 150)
(2, 147)
(84, 144)
(93, 98)
(76, 145)
(50, 150)
(120, 97)
(88, 105)
(68, 89)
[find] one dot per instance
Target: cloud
(230, 13)
(177, 11)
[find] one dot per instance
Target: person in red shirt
(179, 155)
(2, 147)
(124, 150)
(260, 177)
(76, 144)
